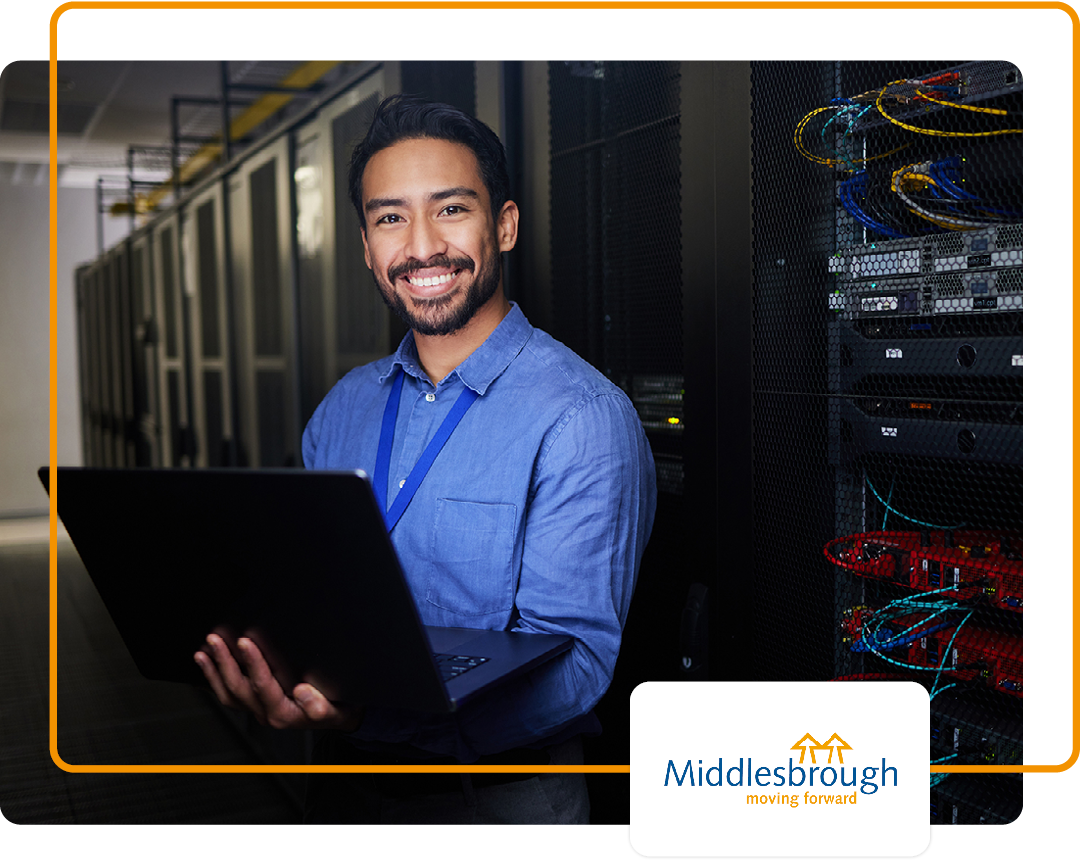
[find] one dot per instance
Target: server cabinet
(125, 359)
(261, 236)
(104, 294)
(342, 320)
(206, 289)
(144, 373)
(177, 443)
(616, 293)
(89, 374)
(83, 369)
(117, 353)
(888, 396)
(606, 168)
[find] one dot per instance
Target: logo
(825, 780)
(807, 742)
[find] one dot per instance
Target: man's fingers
(247, 682)
(258, 671)
(313, 703)
(233, 678)
(210, 672)
(280, 711)
(323, 712)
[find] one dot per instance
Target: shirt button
(402, 484)
(429, 397)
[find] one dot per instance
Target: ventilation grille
(615, 233)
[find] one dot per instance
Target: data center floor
(107, 714)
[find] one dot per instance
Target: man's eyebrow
(383, 203)
(457, 191)
(443, 194)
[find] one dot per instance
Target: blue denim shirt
(533, 517)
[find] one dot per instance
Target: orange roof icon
(806, 742)
(835, 742)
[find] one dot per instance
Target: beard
(447, 313)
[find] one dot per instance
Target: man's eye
(389, 219)
(453, 209)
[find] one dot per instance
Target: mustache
(439, 261)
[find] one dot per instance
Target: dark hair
(405, 117)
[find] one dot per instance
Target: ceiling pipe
(210, 153)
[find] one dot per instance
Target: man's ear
(507, 227)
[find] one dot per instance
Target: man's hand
(250, 685)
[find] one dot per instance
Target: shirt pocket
(473, 551)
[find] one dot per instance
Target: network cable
(918, 94)
(844, 162)
(916, 178)
(891, 509)
(848, 191)
(940, 90)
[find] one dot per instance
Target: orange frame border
(471, 4)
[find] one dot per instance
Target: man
(533, 516)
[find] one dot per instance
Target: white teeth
(432, 282)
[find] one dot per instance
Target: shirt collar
(486, 363)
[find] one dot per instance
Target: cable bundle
(912, 98)
(926, 196)
(905, 621)
(934, 190)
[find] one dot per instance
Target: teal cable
(903, 516)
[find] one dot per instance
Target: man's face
(431, 241)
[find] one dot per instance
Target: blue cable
(857, 184)
(861, 645)
(869, 639)
(883, 616)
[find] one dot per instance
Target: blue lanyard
(423, 465)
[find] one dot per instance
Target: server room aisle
(108, 714)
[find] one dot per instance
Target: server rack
(88, 378)
(144, 374)
(211, 326)
(343, 323)
(122, 347)
(171, 362)
(106, 351)
(888, 396)
(262, 278)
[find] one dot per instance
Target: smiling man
(532, 517)
(432, 240)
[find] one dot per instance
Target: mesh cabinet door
(888, 396)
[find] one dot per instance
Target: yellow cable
(901, 176)
(935, 132)
(917, 177)
(831, 162)
(996, 111)
(802, 150)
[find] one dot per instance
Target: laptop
(298, 561)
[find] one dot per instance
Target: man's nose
(425, 240)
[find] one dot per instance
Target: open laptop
(299, 561)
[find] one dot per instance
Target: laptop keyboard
(452, 665)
